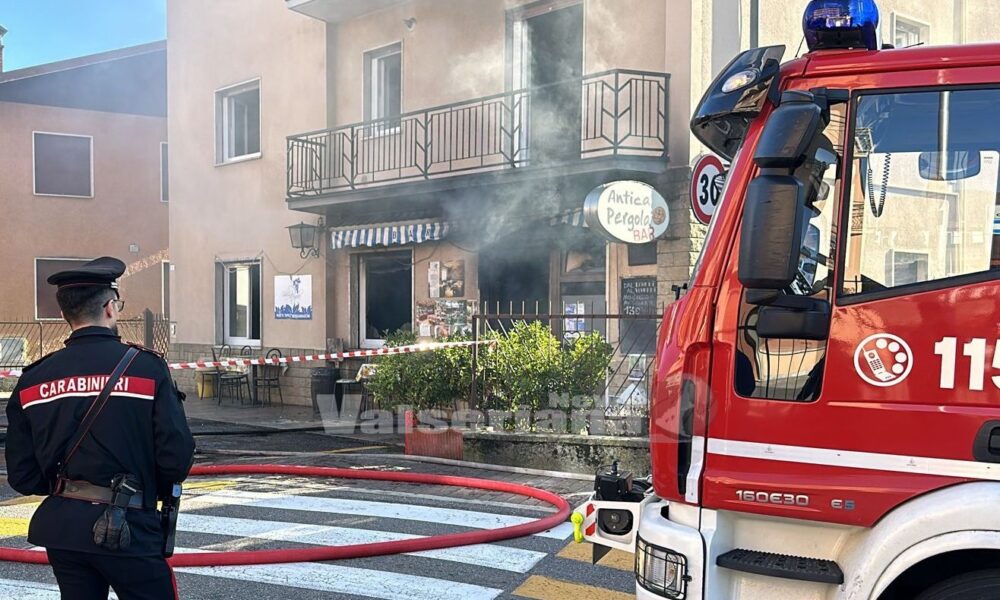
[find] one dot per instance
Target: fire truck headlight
(661, 571)
(741, 80)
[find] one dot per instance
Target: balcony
(600, 121)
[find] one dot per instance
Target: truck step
(780, 565)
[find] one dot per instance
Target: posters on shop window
(441, 318)
(446, 279)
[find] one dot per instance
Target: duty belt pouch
(111, 531)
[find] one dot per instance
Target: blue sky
(42, 31)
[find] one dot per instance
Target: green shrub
(437, 379)
(585, 368)
(525, 369)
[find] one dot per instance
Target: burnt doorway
(514, 274)
(554, 73)
(385, 296)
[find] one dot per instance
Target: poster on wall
(575, 323)
(293, 297)
(434, 279)
(453, 279)
(426, 319)
(439, 319)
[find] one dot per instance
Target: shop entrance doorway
(514, 271)
(385, 296)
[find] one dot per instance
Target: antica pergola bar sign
(627, 211)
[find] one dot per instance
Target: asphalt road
(269, 512)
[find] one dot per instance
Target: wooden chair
(234, 380)
(217, 354)
(269, 378)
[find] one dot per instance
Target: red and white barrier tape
(245, 362)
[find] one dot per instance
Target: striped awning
(388, 235)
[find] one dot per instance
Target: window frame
(227, 338)
(221, 96)
(517, 50)
(370, 90)
(362, 295)
(35, 279)
(924, 29)
(844, 222)
(164, 155)
(34, 165)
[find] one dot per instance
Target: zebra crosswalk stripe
(386, 510)
(351, 580)
(399, 582)
(31, 590)
(505, 558)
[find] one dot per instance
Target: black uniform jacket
(141, 431)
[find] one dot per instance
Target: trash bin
(322, 383)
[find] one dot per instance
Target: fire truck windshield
(924, 189)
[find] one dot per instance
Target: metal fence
(614, 112)
(23, 342)
(627, 386)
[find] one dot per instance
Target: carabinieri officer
(99, 522)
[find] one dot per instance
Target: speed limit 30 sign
(707, 181)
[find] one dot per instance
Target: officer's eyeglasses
(119, 303)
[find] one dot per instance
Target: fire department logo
(883, 360)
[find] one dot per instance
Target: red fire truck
(825, 420)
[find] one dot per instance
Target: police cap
(100, 272)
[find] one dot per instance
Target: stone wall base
(556, 452)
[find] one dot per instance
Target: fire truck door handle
(986, 447)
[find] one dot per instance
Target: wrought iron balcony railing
(617, 112)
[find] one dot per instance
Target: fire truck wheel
(978, 585)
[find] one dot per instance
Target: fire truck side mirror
(772, 233)
(790, 131)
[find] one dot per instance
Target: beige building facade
(233, 98)
(83, 144)
(439, 180)
(440, 154)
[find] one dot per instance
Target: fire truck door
(904, 245)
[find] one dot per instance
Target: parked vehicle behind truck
(826, 412)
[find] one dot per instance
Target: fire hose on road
(324, 553)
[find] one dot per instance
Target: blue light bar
(841, 24)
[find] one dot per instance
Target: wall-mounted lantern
(305, 238)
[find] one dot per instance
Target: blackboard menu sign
(638, 297)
